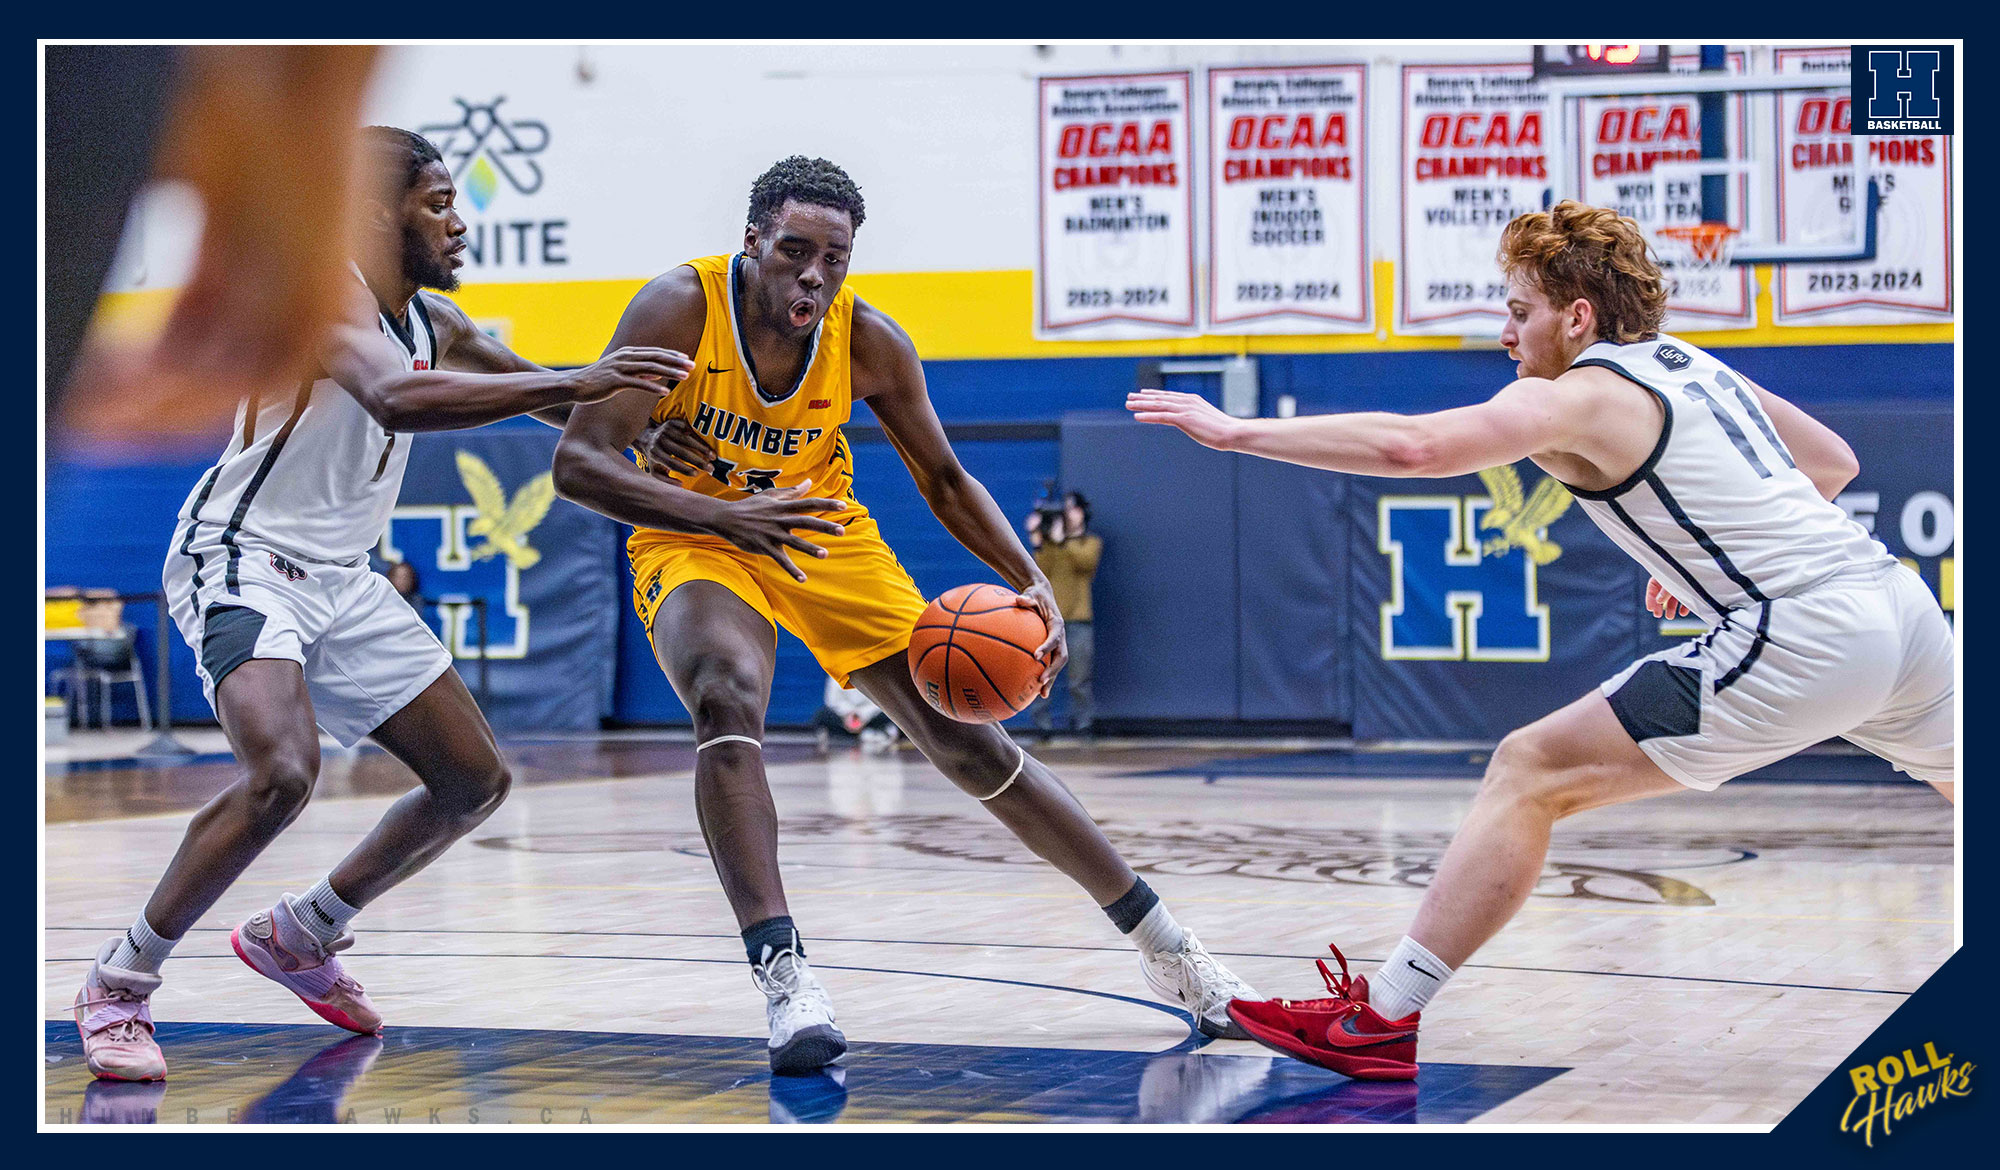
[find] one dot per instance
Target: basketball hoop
(1697, 246)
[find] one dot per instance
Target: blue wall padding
(1166, 596)
(1292, 593)
(1231, 588)
(1408, 381)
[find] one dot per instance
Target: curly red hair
(1575, 251)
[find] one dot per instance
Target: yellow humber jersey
(764, 436)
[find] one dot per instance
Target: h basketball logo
(1456, 597)
(1902, 89)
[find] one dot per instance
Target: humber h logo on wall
(475, 550)
(1462, 583)
(481, 148)
(1903, 89)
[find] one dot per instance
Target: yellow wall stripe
(961, 315)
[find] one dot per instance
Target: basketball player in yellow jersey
(781, 351)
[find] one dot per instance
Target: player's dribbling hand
(763, 524)
(1662, 604)
(1194, 415)
(632, 368)
(1055, 651)
(674, 445)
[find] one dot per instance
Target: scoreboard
(1578, 60)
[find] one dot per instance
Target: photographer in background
(403, 575)
(1067, 551)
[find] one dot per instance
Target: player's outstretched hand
(632, 368)
(1662, 604)
(674, 446)
(1055, 651)
(763, 524)
(1192, 413)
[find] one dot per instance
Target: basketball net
(1697, 246)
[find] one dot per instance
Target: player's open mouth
(457, 256)
(802, 311)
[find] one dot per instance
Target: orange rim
(1702, 243)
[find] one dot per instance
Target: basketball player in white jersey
(1722, 491)
(267, 578)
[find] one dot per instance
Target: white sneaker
(804, 1038)
(1193, 979)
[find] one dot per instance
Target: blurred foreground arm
(265, 136)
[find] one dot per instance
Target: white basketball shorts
(1866, 655)
(365, 652)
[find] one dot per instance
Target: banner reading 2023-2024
(1117, 207)
(1288, 196)
(1474, 157)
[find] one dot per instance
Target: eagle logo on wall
(505, 524)
(1522, 522)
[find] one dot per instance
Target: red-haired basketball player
(1722, 491)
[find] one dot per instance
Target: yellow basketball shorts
(855, 607)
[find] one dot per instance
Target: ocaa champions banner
(479, 519)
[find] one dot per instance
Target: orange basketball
(973, 653)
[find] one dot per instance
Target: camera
(1051, 503)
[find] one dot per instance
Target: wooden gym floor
(1702, 958)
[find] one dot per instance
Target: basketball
(973, 653)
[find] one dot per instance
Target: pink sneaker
(116, 1021)
(279, 947)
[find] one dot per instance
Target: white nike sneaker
(1193, 979)
(804, 1038)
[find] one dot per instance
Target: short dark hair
(808, 180)
(1082, 503)
(398, 157)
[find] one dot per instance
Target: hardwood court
(1702, 958)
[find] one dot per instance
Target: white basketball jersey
(308, 471)
(1718, 513)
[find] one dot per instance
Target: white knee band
(1011, 776)
(701, 747)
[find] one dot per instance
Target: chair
(106, 662)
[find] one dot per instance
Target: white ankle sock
(1158, 931)
(141, 949)
(1406, 982)
(323, 912)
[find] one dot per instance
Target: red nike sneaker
(1342, 1033)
